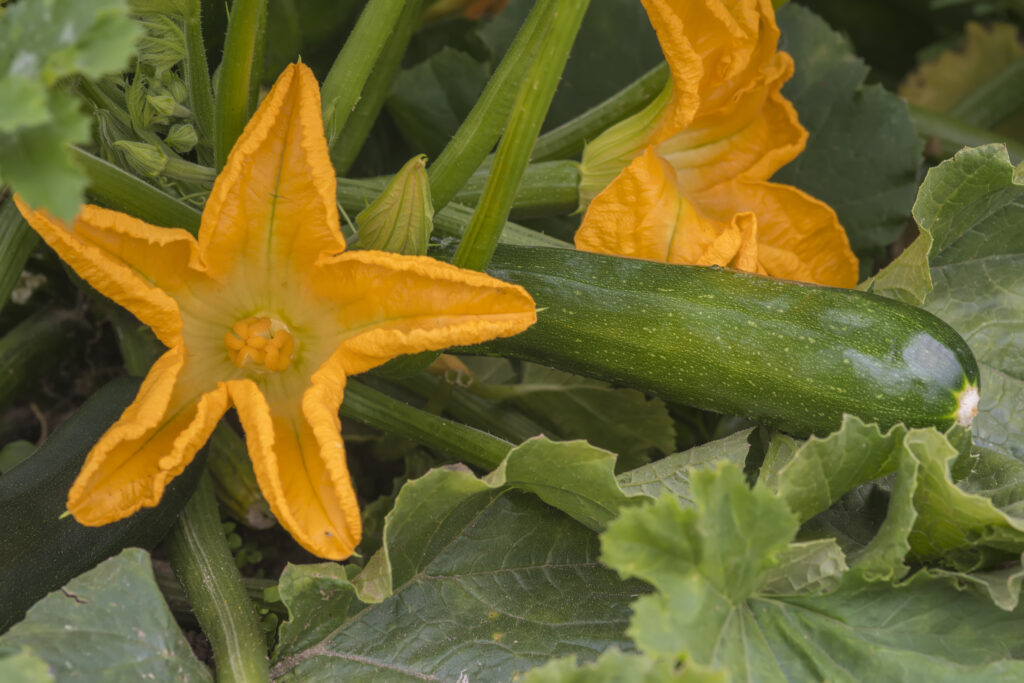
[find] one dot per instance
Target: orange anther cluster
(262, 343)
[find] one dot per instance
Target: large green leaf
(923, 629)
(618, 667)
(863, 153)
(928, 514)
(37, 121)
(970, 209)
(474, 579)
(109, 624)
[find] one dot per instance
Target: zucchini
(782, 353)
(40, 550)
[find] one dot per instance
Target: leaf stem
(239, 75)
(197, 72)
(568, 139)
(993, 100)
(344, 83)
(202, 562)
(548, 188)
(955, 133)
(120, 190)
(485, 122)
(351, 139)
(528, 112)
(17, 240)
(378, 410)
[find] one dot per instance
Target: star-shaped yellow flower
(269, 313)
(693, 186)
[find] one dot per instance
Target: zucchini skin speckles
(787, 354)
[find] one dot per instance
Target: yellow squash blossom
(269, 313)
(697, 161)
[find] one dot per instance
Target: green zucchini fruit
(788, 354)
(32, 348)
(40, 550)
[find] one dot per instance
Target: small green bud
(165, 105)
(174, 86)
(401, 219)
(181, 137)
(147, 159)
(605, 156)
(163, 44)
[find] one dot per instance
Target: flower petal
(385, 305)
(799, 237)
(126, 259)
(642, 214)
(273, 207)
(758, 135)
(153, 441)
(299, 460)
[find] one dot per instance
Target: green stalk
(17, 240)
(122, 191)
(993, 101)
(351, 139)
(354, 195)
(380, 411)
(351, 69)
(197, 72)
(548, 188)
(569, 138)
(240, 70)
(202, 562)
(955, 134)
(530, 108)
(485, 122)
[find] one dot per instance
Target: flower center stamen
(261, 344)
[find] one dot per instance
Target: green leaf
(430, 100)
(110, 623)
(23, 666)
(571, 407)
(823, 469)
(473, 580)
(860, 631)
(617, 667)
(671, 474)
(571, 476)
(969, 208)
(863, 153)
(91, 38)
(809, 567)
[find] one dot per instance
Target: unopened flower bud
(147, 159)
(181, 137)
(401, 218)
(165, 105)
(174, 86)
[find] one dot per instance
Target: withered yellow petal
(385, 305)
(155, 438)
(799, 237)
(125, 259)
(299, 460)
(273, 207)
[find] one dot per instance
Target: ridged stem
(567, 140)
(197, 72)
(485, 122)
(122, 191)
(530, 108)
(203, 564)
(956, 134)
(994, 100)
(378, 410)
(239, 75)
(344, 83)
(17, 240)
(548, 188)
(351, 140)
